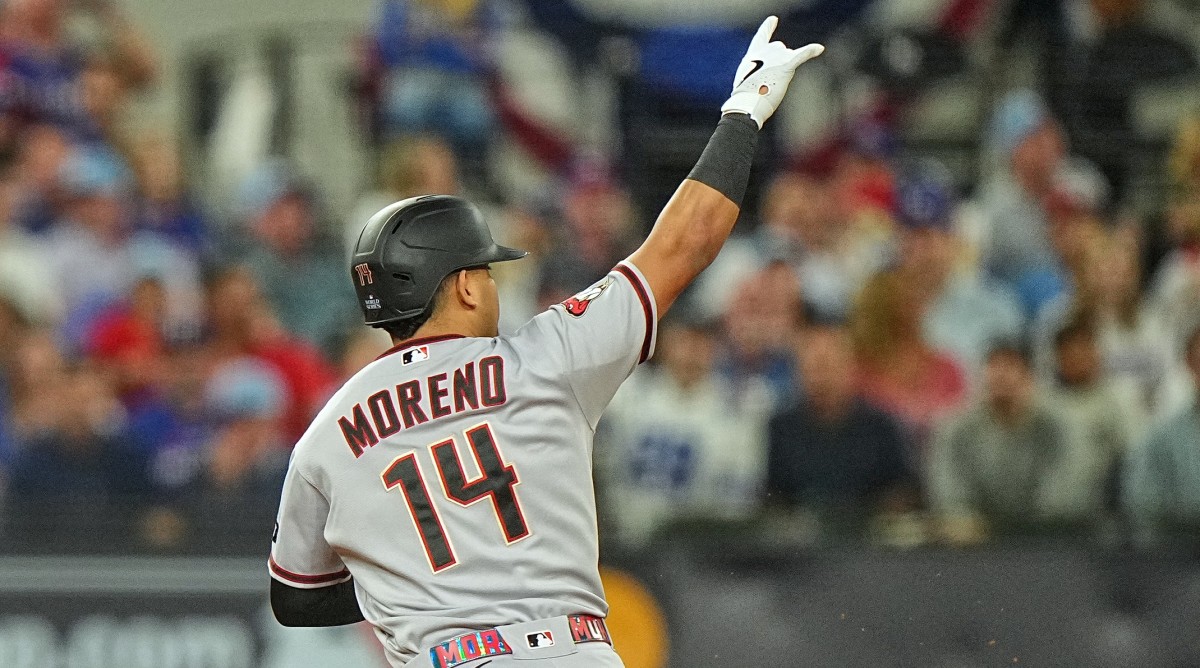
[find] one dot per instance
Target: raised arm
(694, 225)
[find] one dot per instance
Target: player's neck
(448, 325)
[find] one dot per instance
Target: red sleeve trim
(647, 309)
(283, 573)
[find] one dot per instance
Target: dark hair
(1082, 325)
(401, 330)
(1015, 348)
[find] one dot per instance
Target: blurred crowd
(873, 356)
(919, 367)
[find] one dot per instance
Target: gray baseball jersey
(452, 477)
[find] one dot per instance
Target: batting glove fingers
(764, 74)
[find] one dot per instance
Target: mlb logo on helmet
(372, 302)
(539, 639)
(414, 355)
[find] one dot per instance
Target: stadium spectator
(170, 421)
(42, 72)
(863, 183)
(241, 323)
(678, 443)
(302, 273)
(13, 327)
(23, 279)
(84, 454)
(41, 153)
(436, 61)
(527, 226)
(998, 467)
(864, 175)
(1176, 288)
(236, 471)
(103, 94)
(128, 340)
(1112, 54)
(246, 455)
(967, 311)
(1138, 351)
(799, 227)
(1162, 483)
(899, 371)
(762, 317)
(409, 165)
(777, 237)
(96, 233)
(598, 214)
(831, 452)
(1077, 227)
(35, 381)
(164, 204)
(1102, 424)
(1030, 147)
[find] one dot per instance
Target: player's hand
(765, 72)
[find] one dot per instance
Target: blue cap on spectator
(95, 170)
(267, 184)
(1018, 115)
(245, 389)
(925, 198)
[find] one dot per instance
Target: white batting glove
(765, 72)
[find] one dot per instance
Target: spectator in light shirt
(1030, 146)
(1101, 420)
(678, 443)
(1001, 466)
(1162, 485)
(967, 311)
(98, 256)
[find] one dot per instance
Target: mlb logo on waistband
(539, 639)
(414, 355)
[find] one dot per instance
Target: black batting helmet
(407, 248)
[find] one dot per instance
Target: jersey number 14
(496, 481)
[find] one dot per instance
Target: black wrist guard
(725, 163)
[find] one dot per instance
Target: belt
(498, 641)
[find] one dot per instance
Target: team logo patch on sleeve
(414, 355)
(578, 304)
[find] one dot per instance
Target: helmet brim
(505, 254)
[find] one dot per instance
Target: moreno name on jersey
(474, 385)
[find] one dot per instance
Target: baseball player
(444, 493)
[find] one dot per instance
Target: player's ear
(465, 289)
